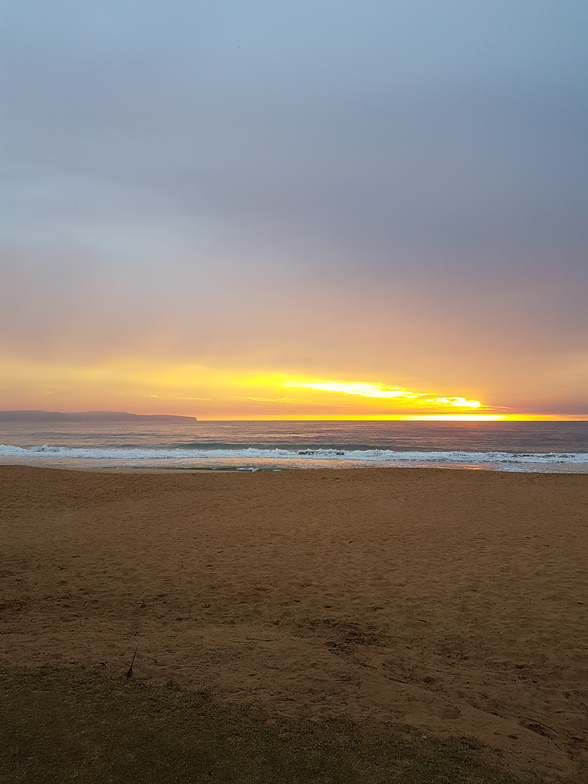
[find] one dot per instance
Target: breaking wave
(251, 457)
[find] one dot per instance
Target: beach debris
(129, 673)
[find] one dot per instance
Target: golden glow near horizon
(364, 390)
(455, 417)
(373, 390)
(208, 393)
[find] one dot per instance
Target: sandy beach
(455, 601)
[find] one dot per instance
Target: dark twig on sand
(130, 670)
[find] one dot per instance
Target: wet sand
(456, 601)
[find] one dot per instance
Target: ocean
(555, 447)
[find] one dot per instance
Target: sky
(278, 209)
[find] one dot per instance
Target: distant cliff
(93, 416)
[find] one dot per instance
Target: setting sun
(379, 391)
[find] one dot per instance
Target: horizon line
(340, 417)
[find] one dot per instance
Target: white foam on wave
(187, 457)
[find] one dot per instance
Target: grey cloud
(181, 175)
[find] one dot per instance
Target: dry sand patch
(452, 600)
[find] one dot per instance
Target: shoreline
(451, 600)
(139, 469)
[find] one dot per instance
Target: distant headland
(93, 416)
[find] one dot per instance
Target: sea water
(560, 447)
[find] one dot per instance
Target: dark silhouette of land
(92, 416)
